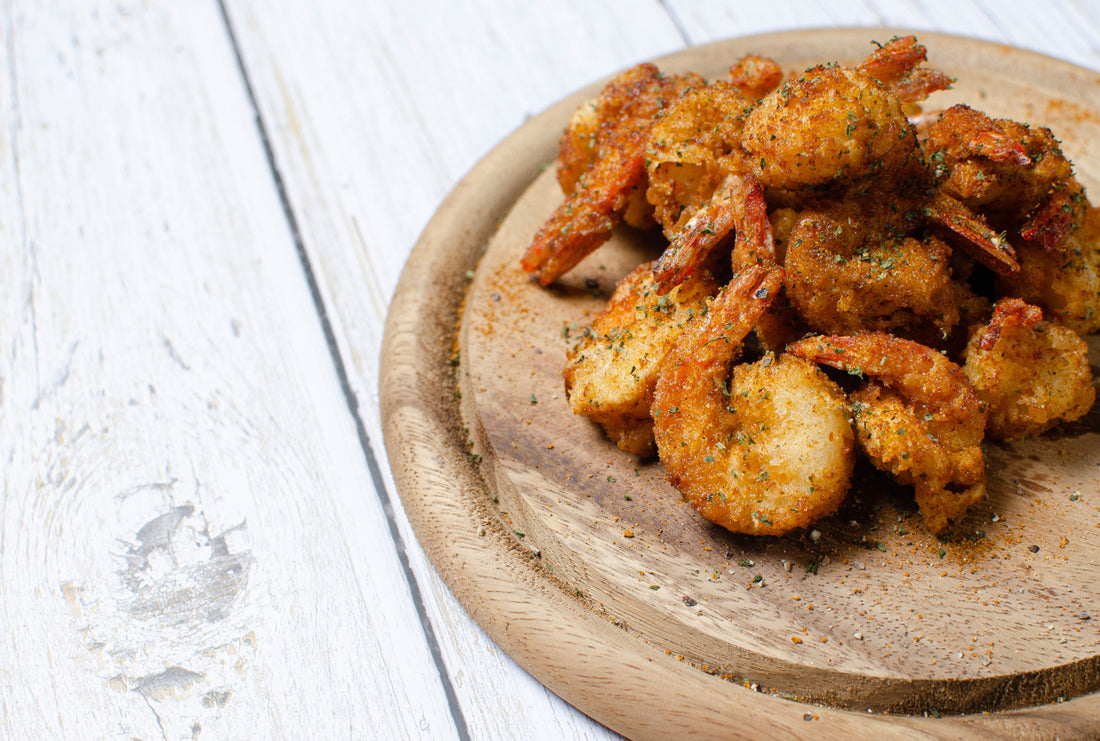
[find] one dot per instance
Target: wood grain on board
(868, 612)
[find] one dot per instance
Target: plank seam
(676, 22)
(15, 126)
(345, 386)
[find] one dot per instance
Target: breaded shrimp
(838, 126)
(764, 449)
(850, 266)
(917, 418)
(998, 167)
(612, 372)
(1031, 373)
(603, 169)
(699, 184)
(1065, 281)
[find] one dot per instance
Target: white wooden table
(204, 209)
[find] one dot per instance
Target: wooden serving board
(586, 566)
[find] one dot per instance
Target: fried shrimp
(1001, 168)
(603, 169)
(763, 450)
(902, 240)
(850, 266)
(917, 418)
(1064, 281)
(700, 185)
(1031, 373)
(612, 372)
(837, 126)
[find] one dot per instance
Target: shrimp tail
(895, 59)
(895, 63)
(709, 344)
(920, 84)
(585, 220)
(975, 236)
(1054, 219)
(602, 167)
(914, 370)
(1008, 313)
(737, 205)
(735, 312)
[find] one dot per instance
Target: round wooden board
(585, 566)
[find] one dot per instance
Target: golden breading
(692, 148)
(1031, 373)
(946, 471)
(849, 269)
(832, 125)
(611, 373)
(998, 166)
(839, 126)
(1065, 282)
(918, 418)
(764, 449)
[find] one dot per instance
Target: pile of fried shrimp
(949, 263)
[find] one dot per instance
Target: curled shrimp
(699, 184)
(838, 126)
(611, 372)
(764, 449)
(602, 156)
(1031, 373)
(1003, 169)
(1064, 281)
(917, 417)
(851, 266)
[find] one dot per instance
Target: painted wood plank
(375, 112)
(176, 552)
(417, 92)
(1065, 29)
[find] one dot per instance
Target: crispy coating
(691, 151)
(1065, 282)
(833, 125)
(700, 185)
(850, 267)
(612, 372)
(998, 166)
(838, 126)
(695, 146)
(1031, 373)
(765, 449)
(917, 418)
(603, 186)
